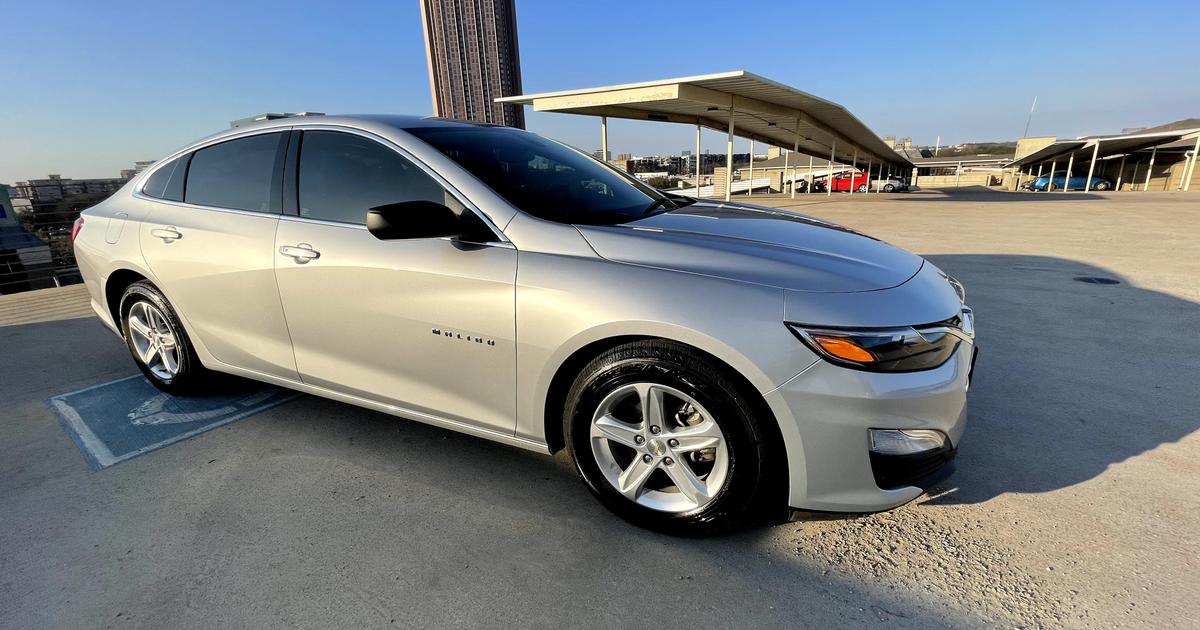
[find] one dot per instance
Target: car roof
(366, 121)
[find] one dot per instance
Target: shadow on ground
(981, 193)
(321, 514)
(1072, 377)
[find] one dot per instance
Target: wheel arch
(114, 288)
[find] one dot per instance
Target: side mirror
(413, 219)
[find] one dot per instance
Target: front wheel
(862, 188)
(1102, 186)
(158, 342)
(889, 188)
(666, 440)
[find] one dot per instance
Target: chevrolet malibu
(699, 361)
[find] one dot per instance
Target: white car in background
(889, 184)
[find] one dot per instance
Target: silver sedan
(702, 362)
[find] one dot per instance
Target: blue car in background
(1077, 183)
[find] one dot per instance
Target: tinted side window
(156, 184)
(238, 174)
(343, 175)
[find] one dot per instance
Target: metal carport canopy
(764, 111)
(1048, 152)
(1108, 145)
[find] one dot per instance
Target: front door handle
(167, 234)
(301, 252)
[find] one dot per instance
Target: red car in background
(843, 182)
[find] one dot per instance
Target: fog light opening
(906, 441)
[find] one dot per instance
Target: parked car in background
(843, 182)
(374, 260)
(889, 184)
(1077, 183)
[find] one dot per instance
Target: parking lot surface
(1076, 501)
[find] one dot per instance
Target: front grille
(920, 469)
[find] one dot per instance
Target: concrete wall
(1025, 146)
(949, 181)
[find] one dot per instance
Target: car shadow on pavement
(980, 193)
(1073, 376)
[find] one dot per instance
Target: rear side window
(343, 175)
(238, 174)
(167, 182)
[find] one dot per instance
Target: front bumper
(832, 409)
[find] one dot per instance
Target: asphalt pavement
(1076, 501)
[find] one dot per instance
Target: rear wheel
(862, 188)
(1103, 185)
(666, 440)
(889, 188)
(158, 343)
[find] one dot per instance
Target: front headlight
(958, 288)
(906, 349)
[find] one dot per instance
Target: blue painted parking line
(116, 421)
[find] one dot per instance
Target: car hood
(758, 245)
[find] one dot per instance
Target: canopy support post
(1087, 185)
(853, 170)
(829, 173)
(1190, 172)
(696, 156)
(809, 187)
(1120, 173)
(795, 149)
(1150, 168)
(750, 191)
(604, 138)
(729, 156)
(1067, 179)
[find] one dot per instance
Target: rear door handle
(167, 234)
(301, 252)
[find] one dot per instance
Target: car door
(211, 250)
(424, 324)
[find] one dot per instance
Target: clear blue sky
(92, 86)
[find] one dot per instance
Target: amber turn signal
(844, 349)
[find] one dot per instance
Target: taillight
(76, 228)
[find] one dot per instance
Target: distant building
(600, 154)
(37, 194)
(138, 167)
(471, 46)
(624, 156)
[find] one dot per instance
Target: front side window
(343, 175)
(238, 174)
(544, 178)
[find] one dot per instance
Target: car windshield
(546, 179)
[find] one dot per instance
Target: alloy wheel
(154, 340)
(659, 447)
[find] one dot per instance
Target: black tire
(191, 377)
(889, 188)
(862, 188)
(749, 447)
(1102, 186)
